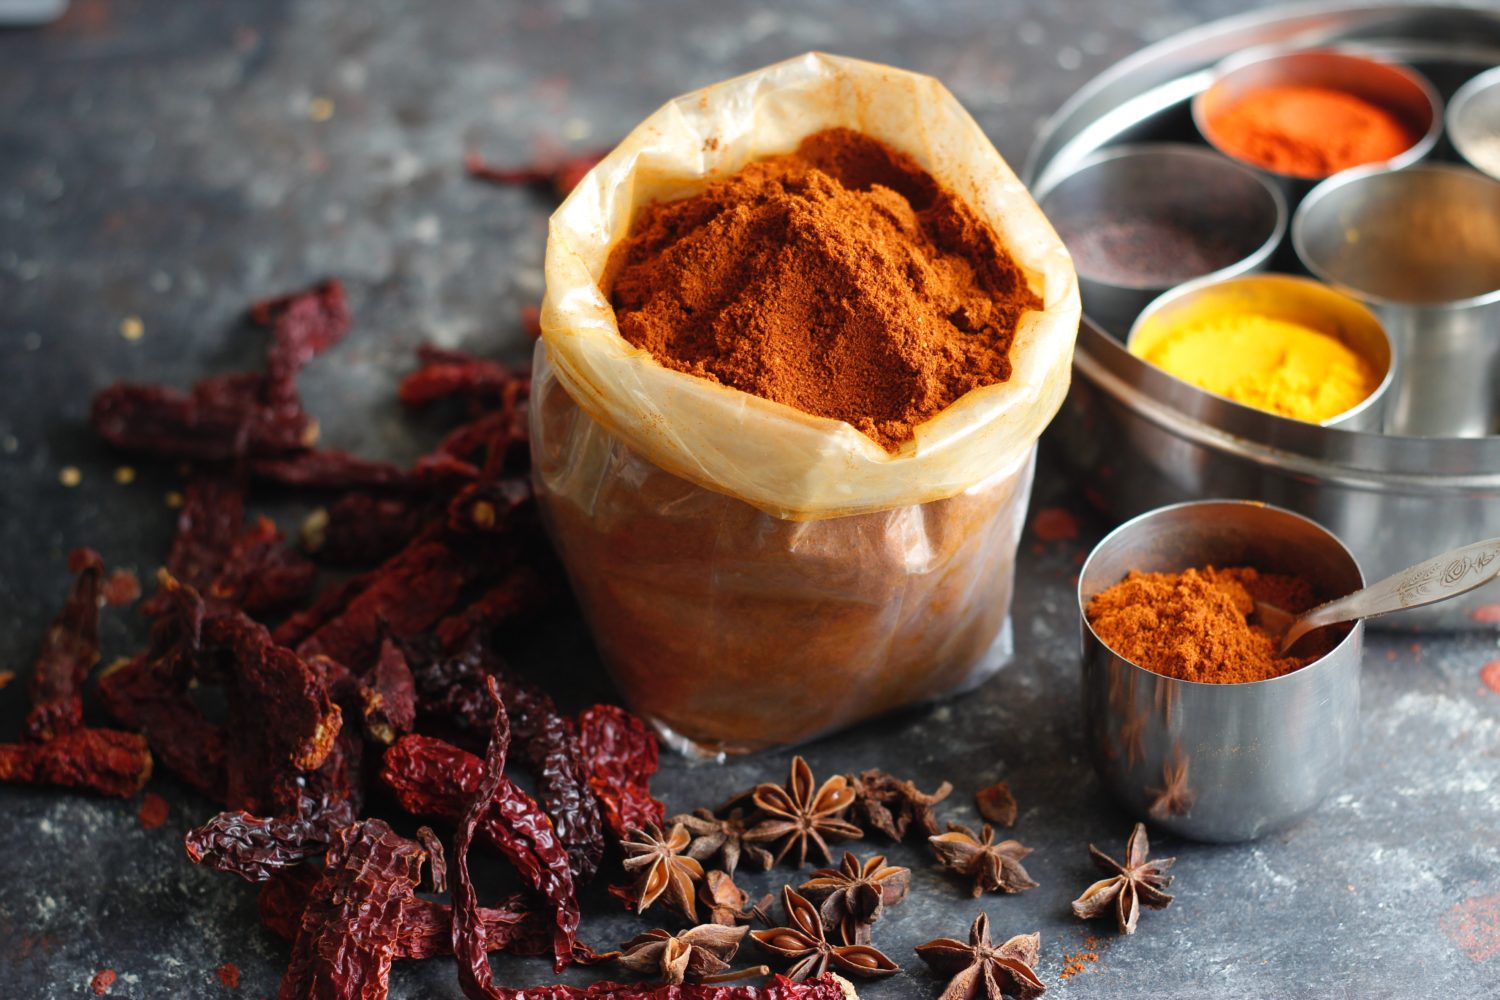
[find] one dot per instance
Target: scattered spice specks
(124, 475)
(1054, 524)
(1490, 675)
(131, 328)
(174, 499)
(1080, 960)
(153, 811)
(102, 981)
(1486, 614)
(69, 475)
(1474, 926)
(320, 109)
(229, 975)
(122, 587)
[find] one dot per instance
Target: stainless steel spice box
(1138, 438)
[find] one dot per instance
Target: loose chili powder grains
(1197, 625)
(841, 279)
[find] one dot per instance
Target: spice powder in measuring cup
(1196, 625)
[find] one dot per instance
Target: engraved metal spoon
(1436, 579)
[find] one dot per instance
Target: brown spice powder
(841, 279)
(1195, 625)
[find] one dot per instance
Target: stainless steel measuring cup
(1421, 247)
(1220, 762)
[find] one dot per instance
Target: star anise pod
(979, 969)
(994, 867)
(1129, 885)
(727, 903)
(894, 806)
(853, 896)
(996, 804)
(723, 838)
(803, 943)
(800, 815)
(661, 869)
(697, 955)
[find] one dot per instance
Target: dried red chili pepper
(69, 652)
(520, 593)
(281, 718)
(444, 374)
(405, 595)
(453, 684)
(561, 176)
(426, 926)
(232, 416)
(255, 847)
(432, 778)
(361, 528)
(100, 760)
(323, 469)
(388, 695)
(232, 566)
(346, 939)
(620, 755)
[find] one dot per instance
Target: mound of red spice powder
(1309, 131)
(841, 279)
(1195, 625)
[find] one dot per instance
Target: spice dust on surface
(1489, 676)
(102, 981)
(153, 812)
(229, 975)
(841, 279)
(1195, 625)
(1474, 927)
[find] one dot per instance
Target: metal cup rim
(1260, 56)
(1196, 285)
(1356, 175)
(1187, 150)
(1155, 512)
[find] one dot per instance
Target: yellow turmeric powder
(1272, 364)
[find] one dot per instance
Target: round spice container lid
(781, 460)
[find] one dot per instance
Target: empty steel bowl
(1284, 297)
(1123, 209)
(1220, 762)
(1474, 122)
(1421, 247)
(1399, 89)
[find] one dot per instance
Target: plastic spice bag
(755, 575)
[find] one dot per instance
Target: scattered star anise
(804, 943)
(697, 955)
(661, 869)
(1129, 885)
(853, 896)
(980, 970)
(994, 867)
(723, 838)
(894, 806)
(728, 903)
(799, 816)
(996, 804)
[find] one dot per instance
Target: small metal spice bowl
(1220, 762)
(1399, 89)
(1293, 299)
(1474, 122)
(1140, 219)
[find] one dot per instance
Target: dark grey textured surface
(161, 160)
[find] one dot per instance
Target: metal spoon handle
(1436, 579)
